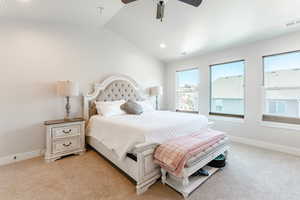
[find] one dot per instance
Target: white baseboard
(20, 156)
(266, 145)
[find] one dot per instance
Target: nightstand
(64, 137)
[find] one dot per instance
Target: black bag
(218, 162)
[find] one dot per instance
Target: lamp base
(68, 109)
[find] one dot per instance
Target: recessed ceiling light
(163, 45)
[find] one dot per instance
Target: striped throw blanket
(173, 154)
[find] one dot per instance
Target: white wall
(251, 128)
(34, 56)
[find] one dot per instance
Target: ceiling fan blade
(128, 1)
(195, 3)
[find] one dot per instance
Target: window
(282, 88)
(187, 94)
(276, 107)
(227, 89)
(219, 105)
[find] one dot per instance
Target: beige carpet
(251, 173)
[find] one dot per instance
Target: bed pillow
(147, 105)
(109, 108)
(131, 107)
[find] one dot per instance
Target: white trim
(281, 88)
(226, 119)
(280, 125)
(21, 156)
(266, 145)
(299, 108)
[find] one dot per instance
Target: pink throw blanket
(174, 154)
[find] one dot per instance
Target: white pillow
(109, 108)
(146, 105)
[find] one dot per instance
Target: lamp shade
(67, 88)
(156, 91)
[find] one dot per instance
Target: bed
(128, 141)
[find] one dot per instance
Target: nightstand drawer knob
(67, 145)
(67, 132)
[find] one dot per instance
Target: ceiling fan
(161, 6)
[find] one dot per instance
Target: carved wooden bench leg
(226, 154)
(185, 181)
(185, 178)
(163, 176)
(185, 195)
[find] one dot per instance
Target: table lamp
(156, 91)
(67, 89)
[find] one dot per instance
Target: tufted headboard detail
(114, 88)
(118, 90)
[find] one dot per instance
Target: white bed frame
(143, 170)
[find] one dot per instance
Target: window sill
(280, 125)
(185, 111)
(227, 119)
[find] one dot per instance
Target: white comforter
(121, 133)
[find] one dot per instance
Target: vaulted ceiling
(78, 12)
(215, 25)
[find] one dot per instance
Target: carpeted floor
(251, 173)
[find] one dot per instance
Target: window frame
(269, 118)
(210, 91)
(176, 92)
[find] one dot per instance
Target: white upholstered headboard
(113, 88)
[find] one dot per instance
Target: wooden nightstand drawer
(67, 131)
(69, 144)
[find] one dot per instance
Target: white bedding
(121, 133)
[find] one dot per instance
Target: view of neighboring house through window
(187, 93)
(227, 89)
(282, 87)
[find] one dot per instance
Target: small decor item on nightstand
(64, 137)
(67, 89)
(156, 91)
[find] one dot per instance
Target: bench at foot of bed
(186, 183)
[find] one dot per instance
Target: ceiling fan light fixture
(160, 10)
(161, 6)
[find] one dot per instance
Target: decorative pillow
(131, 107)
(109, 108)
(147, 105)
